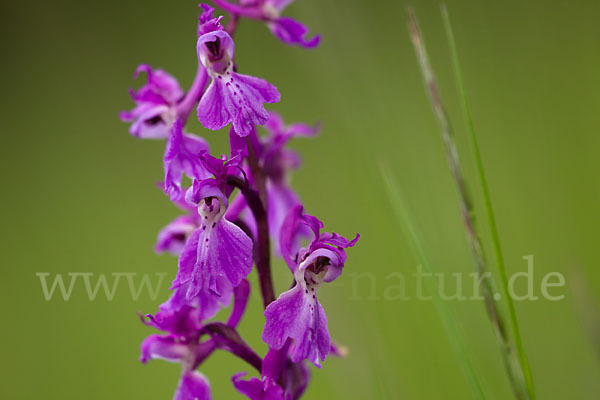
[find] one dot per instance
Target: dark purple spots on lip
(314, 297)
(214, 224)
(306, 290)
(206, 217)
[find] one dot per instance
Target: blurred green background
(79, 192)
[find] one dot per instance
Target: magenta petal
(182, 157)
(187, 260)
(161, 86)
(162, 347)
(172, 237)
(293, 32)
(241, 294)
(252, 388)
(155, 108)
(253, 92)
(297, 314)
(193, 386)
(296, 377)
(208, 301)
(228, 254)
(255, 389)
(281, 200)
(213, 111)
(207, 304)
(215, 258)
(185, 322)
(237, 99)
(149, 121)
(315, 344)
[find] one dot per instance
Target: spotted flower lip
(230, 97)
(297, 314)
(156, 102)
(217, 255)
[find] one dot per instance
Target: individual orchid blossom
(156, 103)
(277, 370)
(172, 238)
(193, 385)
(297, 314)
(221, 234)
(184, 323)
(255, 389)
(217, 255)
(230, 97)
(182, 346)
(285, 29)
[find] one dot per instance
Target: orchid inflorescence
(221, 236)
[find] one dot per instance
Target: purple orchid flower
(182, 156)
(277, 368)
(180, 345)
(184, 319)
(268, 387)
(255, 389)
(285, 29)
(230, 97)
(184, 322)
(297, 314)
(217, 255)
(156, 105)
(172, 238)
(193, 385)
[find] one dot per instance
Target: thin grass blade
(511, 358)
(488, 204)
(455, 336)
